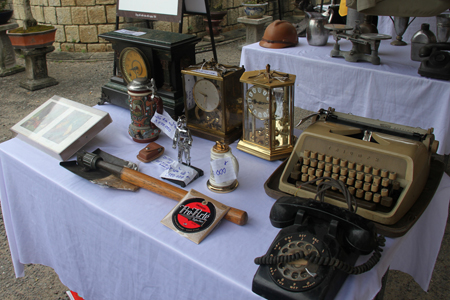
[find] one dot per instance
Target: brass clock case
(213, 101)
(133, 64)
(268, 114)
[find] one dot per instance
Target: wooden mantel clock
(268, 114)
(213, 101)
(142, 52)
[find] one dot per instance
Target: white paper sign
(180, 172)
(163, 161)
(135, 33)
(165, 123)
(223, 170)
(209, 72)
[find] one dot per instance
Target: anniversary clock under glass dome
(213, 101)
(268, 114)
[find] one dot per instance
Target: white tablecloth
(109, 244)
(392, 92)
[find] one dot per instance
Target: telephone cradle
(315, 250)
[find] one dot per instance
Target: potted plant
(31, 35)
(217, 13)
(5, 14)
(255, 9)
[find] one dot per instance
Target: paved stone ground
(80, 79)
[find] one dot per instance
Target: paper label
(180, 172)
(163, 161)
(129, 32)
(165, 123)
(223, 169)
(209, 72)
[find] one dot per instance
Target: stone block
(50, 15)
(38, 13)
(72, 34)
(104, 28)
(80, 48)
(79, 15)
(67, 47)
(54, 2)
(63, 15)
(196, 22)
(96, 14)
(163, 25)
(85, 2)
(103, 2)
(110, 13)
(57, 46)
(109, 47)
(88, 33)
(68, 3)
(60, 35)
(34, 2)
(96, 47)
(232, 16)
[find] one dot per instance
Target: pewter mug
(316, 34)
(442, 28)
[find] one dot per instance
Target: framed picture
(153, 10)
(60, 127)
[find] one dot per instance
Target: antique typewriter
(384, 165)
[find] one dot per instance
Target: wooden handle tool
(93, 161)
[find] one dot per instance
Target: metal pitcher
(316, 34)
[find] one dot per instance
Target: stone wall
(79, 22)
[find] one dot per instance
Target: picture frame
(60, 127)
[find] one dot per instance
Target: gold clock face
(258, 102)
(206, 95)
(133, 64)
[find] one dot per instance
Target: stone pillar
(36, 67)
(7, 56)
(254, 28)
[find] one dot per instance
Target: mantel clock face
(213, 102)
(268, 114)
(206, 95)
(258, 102)
(133, 64)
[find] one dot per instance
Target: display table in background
(110, 244)
(392, 91)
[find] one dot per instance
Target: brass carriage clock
(213, 101)
(268, 114)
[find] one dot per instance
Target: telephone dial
(316, 248)
(436, 62)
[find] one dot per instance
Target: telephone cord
(326, 261)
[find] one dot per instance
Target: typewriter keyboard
(374, 189)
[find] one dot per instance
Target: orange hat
(279, 34)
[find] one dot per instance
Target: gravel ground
(80, 79)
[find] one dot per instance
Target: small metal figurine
(183, 140)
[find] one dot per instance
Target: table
(109, 244)
(392, 91)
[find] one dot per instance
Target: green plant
(2, 4)
(216, 5)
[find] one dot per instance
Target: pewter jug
(421, 38)
(316, 34)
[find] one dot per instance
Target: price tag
(209, 72)
(163, 161)
(180, 172)
(165, 123)
(223, 169)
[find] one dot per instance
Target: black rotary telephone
(317, 248)
(436, 62)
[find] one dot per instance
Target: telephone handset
(317, 248)
(436, 62)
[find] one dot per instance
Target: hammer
(91, 161)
